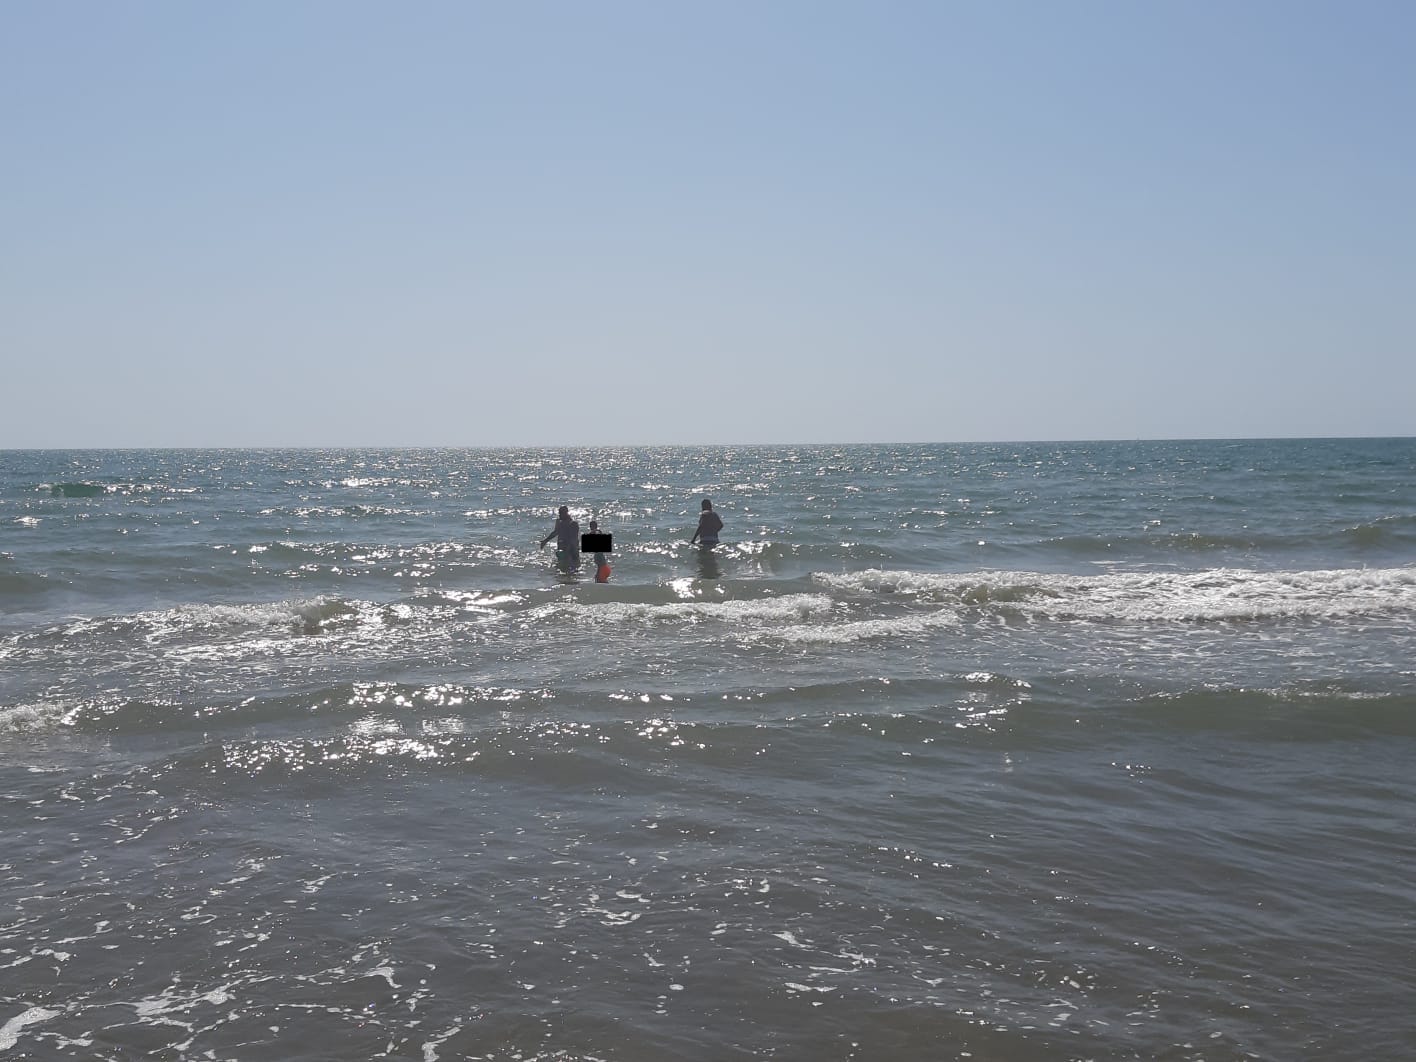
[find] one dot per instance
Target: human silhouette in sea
(567, 535)
(709, 524)
(706, 537)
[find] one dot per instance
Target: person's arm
(696, 532)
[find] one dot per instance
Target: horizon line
(710, 445)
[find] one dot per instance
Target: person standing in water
(602, 563)
(709, 524)
(567, 536)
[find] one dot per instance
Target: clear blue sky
(467, 223)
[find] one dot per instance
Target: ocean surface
(995, 752)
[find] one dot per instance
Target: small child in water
(602, 564)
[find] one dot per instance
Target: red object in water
(602, 574)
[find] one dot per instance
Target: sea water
(1034, 751)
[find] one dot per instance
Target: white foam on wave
(305, 615)
(10, 1031)
(912, 625)
(28, 718)
(786, 608)
(1214, 594)
(885, 581)
(918, 604)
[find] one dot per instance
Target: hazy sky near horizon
(466, 223)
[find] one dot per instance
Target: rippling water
(1002, 752)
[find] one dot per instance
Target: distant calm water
(1063, 751)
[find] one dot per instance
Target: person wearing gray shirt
(567, 536)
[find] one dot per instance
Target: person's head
(707, 505)
(594, 526)
(565, 510)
